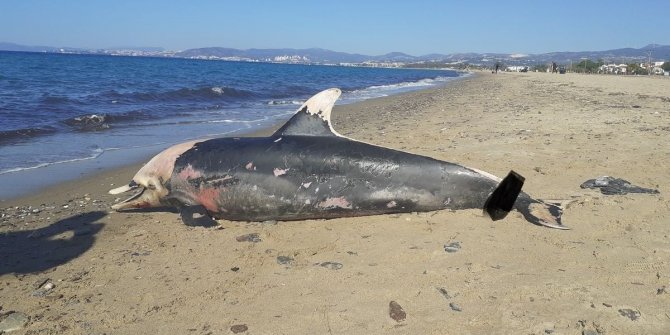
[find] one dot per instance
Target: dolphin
(306, 170)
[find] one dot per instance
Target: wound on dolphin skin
(279, 172)
(189, 173)
(339, 202)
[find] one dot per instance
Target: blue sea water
(57, 108)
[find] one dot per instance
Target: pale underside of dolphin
(306, 170)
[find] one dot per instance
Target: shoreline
(105, 167)
(97, 168)
(90, 121)
(146, 272)
(30, 181)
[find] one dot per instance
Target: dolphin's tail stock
(501, 201)
(538, 212)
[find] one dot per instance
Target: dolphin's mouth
(126, 188)
(132, 197)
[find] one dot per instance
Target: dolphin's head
(151, 180)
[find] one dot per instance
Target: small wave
(92, 122)
(95, 154)
(215, 93)
(377, 91)
(210, 92)
(136, 115)
(410, 84)
(99, 122)
(285, 102)
(236, 121)
(55, 100)
(13, 136)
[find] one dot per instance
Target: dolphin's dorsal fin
(313, 117)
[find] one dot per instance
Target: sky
(372, 27)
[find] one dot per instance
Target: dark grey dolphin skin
(306, 170)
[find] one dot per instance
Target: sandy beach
(70, 265)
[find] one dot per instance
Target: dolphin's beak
(125, 188)
(145, 198)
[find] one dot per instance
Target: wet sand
(71, 266)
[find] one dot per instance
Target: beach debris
(236, 329)
(661, 290)
(13, 321)
(455, 307)
(331, 265)
(41, 282)
(396, 312)
(630, 313)
(590, 328)
(615, 186)
(444, 292)
(253, 238)
(546, 328)
(44, 289)
(284, 260)
(452, 247)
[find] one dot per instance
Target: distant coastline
(317, 56)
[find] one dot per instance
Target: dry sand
(147, 273)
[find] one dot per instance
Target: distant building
(517, 69)
(292, 59)
(613, 68)
(654, 68)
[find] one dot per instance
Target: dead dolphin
(306, 170)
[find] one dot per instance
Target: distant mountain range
(322, 56)
(658, 52)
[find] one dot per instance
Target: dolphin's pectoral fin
(313, 117)
(196, 216)
(501, 201)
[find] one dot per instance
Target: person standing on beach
(497, 67)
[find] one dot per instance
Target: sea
(62, 114)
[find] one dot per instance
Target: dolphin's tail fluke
(501, 201)
(538, 212)
(542, 213)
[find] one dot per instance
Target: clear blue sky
(370, 27)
